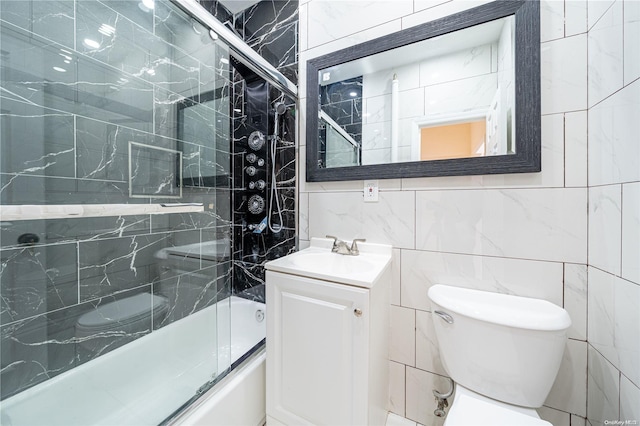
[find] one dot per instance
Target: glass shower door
(114, 210)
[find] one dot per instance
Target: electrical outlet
(370, 191)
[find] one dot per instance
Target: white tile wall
(330, 20)
(420, 385)
(575, 299)
(575, 148)
(564, 74)
(397, 388)
(603, 386)
(544, 224)
(569, 392)
(613, 131)
(522, 234)
(631, 231)
(605, 217)
(629, 400)
(403, 339)
(605, 55)
(555, 417)
(631, 32)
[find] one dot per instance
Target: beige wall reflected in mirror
(390, 106)
(453, 141)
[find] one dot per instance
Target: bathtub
(147, 380)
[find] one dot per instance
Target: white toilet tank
(505, 347)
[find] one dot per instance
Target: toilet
(502, 351)
(104, 326)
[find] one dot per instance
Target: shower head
(280, 108)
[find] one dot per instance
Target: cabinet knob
(357, 312)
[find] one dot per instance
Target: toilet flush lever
(445, 316)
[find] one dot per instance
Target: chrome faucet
(341, 247)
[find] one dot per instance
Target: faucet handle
(334, 247)
(354, 245)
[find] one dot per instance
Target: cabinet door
(317, 347)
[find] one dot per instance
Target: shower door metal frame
(241, 50)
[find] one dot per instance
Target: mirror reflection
(446, 97)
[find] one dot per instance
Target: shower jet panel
(154, 172)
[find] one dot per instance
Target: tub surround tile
(564, 74)
(33, 125)
(54, 18)
(603, 389)
(422, 269)
(541, 224)
(45, 346)
(569, 392)
(605, 208)
(613, 130)
(37, 280)
(605, 55)
(630, 232)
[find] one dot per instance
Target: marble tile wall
(99, 100)
(613, 70)
(568, 234)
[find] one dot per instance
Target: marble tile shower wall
(548, 235)
(82, 83)
(270, 27)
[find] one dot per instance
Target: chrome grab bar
(445, 316)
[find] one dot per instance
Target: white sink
(318, 261)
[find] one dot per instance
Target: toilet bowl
(502, 351)
(108, 325)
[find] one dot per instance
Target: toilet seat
(472, 409)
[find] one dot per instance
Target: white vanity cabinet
(327, 345)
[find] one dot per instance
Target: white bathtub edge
(237, 400)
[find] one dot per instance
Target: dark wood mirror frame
(527, 94)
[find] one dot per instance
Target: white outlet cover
(370, 191)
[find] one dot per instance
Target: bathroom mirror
(456, 96)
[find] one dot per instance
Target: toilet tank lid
(503, 309)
